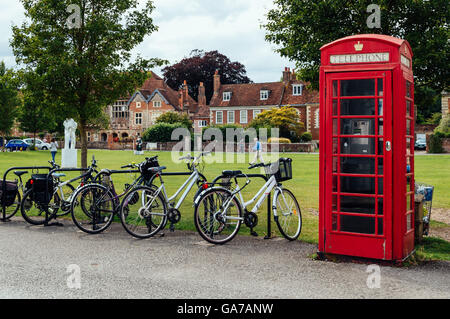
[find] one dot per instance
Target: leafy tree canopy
(199, 67)
(86, 66)
(301, 27)
(175, 117)
(9, 99)
(285, 118)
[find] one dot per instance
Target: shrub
(435, 144)
(161, 133)
(175, 118)
(279, 140)
(306, 137)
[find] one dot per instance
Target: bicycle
(57, 200)
(146, 210)
(94, 205)
(219, 212)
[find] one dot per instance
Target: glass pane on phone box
(357, 165)
(380, 87)
(380, 206)
(380, 166)
(335, 127)
(358, 146)
(335, 88)
(380, 107)
(380, 146)
(335, 107)
(380, 186)
(358, 107)
(335, 146)
(380, 127)
(357, 224)
(358, 126)
(380, 226)
(358, 185)
(360, 87)
(353, 204)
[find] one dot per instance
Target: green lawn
(433, 170)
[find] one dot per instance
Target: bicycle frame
(187, 186)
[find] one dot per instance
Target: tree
(285, 118)
(9, 99)
(175, 117)
(84, 59)
(301, 27)
(200, 67)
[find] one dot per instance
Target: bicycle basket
(10, 194)
(39, 182)
(143, 168)
(282, 169)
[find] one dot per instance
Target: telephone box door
(358, 174)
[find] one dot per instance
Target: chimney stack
(216, 83)
(201, 95)
(286, 76)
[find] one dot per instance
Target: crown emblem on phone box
(359, 46)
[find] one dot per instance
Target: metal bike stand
(47, 217)
(269, 211)
(3, 219)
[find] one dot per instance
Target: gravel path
(34, 263)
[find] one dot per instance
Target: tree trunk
(83, 140)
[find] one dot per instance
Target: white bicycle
(220, 211)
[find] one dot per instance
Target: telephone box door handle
(388, 146)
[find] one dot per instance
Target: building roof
(249, 95)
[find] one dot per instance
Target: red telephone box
(367, 148)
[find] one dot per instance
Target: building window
(256, 113)
(138, 105)
(120, 110)
(244, 117)
(297, 89)
(89, 136)
(96, 137)
(230, 118)
(156, 103)
(202, 123)
(264, 94)
(219, 117)
(226, 96)
(138, 118)
(316, 118)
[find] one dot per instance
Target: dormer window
(226, 96)
(156, 103)
(297, 89)
(264, 95)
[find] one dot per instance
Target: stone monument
(69, 153)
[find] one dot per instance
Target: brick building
(131, 116)
(240, 103)
(445, 103)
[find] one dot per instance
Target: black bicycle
(49, 195)
(94, 206)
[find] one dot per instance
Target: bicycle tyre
(208, 199)
(297, 212)
(9, 214)
(125, 213)
(88, 219)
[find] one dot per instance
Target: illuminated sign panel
(360, 58)
(406, 61)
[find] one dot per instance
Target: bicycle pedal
(254, 234)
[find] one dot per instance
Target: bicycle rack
(47, 217)
(269, 201)
(33, 168)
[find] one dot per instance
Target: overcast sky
(230, 26)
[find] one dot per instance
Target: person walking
(258, 152)
(53, 149)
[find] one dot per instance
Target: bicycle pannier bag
(149, 164)
(10, 194)
(39, 182)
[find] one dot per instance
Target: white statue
(70, 127)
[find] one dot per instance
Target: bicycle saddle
(58, 175)
(157, 169)
(231, 173)
(20, 173)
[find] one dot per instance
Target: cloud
(230, 26)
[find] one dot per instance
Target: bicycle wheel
(67, 192)
(143, 212)
(34, 213)
(211, 221)
(288, 215)
(93, 208)
(11, 210)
